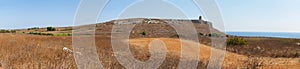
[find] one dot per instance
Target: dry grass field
(20, 51)
(27, 51)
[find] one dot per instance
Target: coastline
(291, 35)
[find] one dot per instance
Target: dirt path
(232, 60)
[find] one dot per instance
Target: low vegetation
(210, 35)
(51, 29)
(7, 31)
(214, 35)
(144, 33)
(33, 28)
(50, 34)
(68, 29)
(38, 33)
(62, 34)
(236, 41)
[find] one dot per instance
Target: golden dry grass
(46, 52)
(35, 52)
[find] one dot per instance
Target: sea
(266, 34)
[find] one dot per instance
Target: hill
(34, 51)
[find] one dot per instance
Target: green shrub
(144, 33)
(4, 31)
(38, 33)
(236, 41)
(35, 33)
(177, 35)
(66, 29)
(62, 34)
(48, 34)
(51, 29)
(214, 35)
(33, 28)
(7, 31)
(13, 31)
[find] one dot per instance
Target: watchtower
(200, 19)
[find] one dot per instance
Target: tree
(143, 33)
(51, 29)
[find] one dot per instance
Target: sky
(261, 15)
(238, 15)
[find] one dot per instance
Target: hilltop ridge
(154, 27)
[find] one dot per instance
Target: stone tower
(200, 19)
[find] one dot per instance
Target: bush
(33, 28)
(66, 29)
(7, 31)
(62, 34)
(51, 29)
(4, 31)
(35, 33)
(48, 34)
(144, 33)
(214, 35)
(13, 31)
(236, 41)
(38, 33)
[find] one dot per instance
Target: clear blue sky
(239, 15)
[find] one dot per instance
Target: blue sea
(266, 34)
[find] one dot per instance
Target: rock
(298, 43)
(258, 47)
